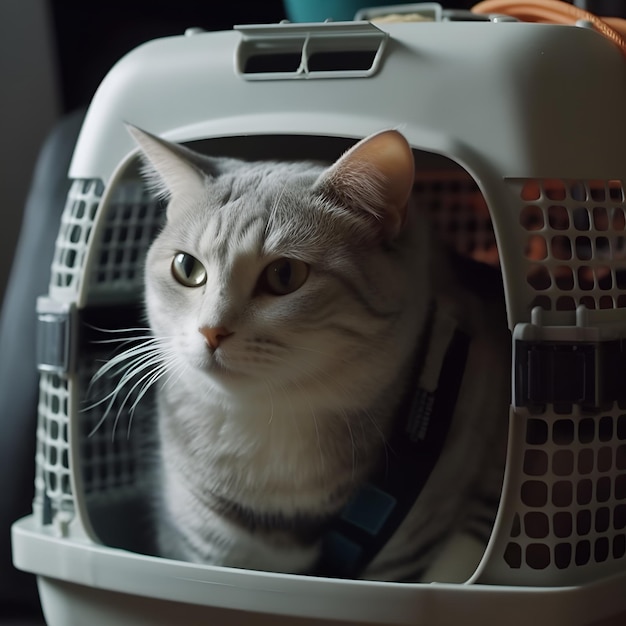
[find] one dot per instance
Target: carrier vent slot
(287, 51)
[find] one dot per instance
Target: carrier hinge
(55, 335)
(581, 364)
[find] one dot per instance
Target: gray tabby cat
(287, 301)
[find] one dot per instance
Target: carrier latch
(581, 361)
(54, 335)
(590, 374)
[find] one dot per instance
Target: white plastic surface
(111, 586)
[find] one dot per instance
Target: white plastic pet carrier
(519, 132)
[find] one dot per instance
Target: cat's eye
(188, 271)
(284, 276)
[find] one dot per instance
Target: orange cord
(556, 12)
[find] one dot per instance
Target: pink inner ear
(377, 174)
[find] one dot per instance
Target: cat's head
(280, 272)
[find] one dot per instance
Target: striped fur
(266, 437)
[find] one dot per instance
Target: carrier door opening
(116, 472)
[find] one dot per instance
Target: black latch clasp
(590, 374)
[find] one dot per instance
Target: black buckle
(591, 374)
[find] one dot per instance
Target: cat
(287, 302)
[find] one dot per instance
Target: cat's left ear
(170, 171)
(375, 176)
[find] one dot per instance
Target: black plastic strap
(369, 520)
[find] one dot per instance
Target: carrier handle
(556, 12)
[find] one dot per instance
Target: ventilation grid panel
(133, 218)
(53, 491)
(565, 503)
(72, 240)
(575, 243)
(458, 212)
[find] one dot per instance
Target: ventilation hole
(537, 555)
(562, 524)
(75, 234)
(603, 519)
(620, 279)
(605, 428)
(558, 218)
(564, 278)
(554, 189)
(619, 220)
(561, 248)
(537, 431)
(616, 191)
(562, 493)
(604, 277)
(563, 463)
(621, 302)
(580, 218)
(539, 278)
(584, 491)
(605, 459)
(620, 457)
(534, 493)
(565, 303)
(583, 523)
(603, 489)
(563, 432)
(620, 487)
(530, 190)
(583, 552)
(584, 251)
(516, 529)
(349, 60)
(596, 191)
(535, 463)
(603, 248)
(536, 525)
(619, 546)
(600, 218)
(287, 62)
(536, 248)
(578, 191)
(585, 278)
(619, 517)
(590, 303)
(586, 430)
(621, 427)
(562, 555)
(531, 217)
(601, 549)
(605, 302)
(513, 555)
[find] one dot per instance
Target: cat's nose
(214, 336)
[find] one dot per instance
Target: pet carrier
(518, 131)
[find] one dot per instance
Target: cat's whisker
(156, 377)
(122, 357)
(139, 366)
(269, 393)
(150, 378)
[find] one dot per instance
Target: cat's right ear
(169, 172)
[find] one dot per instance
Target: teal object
(337, 10)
